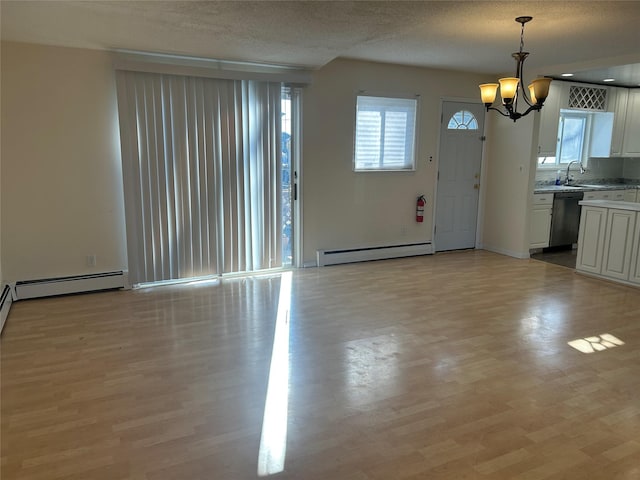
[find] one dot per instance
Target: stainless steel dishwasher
(565, 218)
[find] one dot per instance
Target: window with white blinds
(201, 171)
(385, 133)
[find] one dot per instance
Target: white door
(461, 137)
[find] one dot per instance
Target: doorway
(461, 139)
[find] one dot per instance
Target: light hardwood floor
(451, 366)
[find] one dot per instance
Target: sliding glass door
(204, 177)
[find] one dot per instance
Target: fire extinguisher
(420, 208)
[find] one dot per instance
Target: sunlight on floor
(273, 442)
(596, 343)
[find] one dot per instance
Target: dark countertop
(584, 187)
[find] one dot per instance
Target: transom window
(463, 120)
(385, 133)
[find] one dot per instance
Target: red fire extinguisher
(420, 208)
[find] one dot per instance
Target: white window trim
(415, 97)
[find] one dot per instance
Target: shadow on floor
(565, 257)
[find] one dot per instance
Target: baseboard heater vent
(5, 305)
(75, 284)
(335, 257)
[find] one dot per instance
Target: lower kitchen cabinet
(616, 262)
(634, 275)
(609, 240)
(631, 195)
(540, 220)
(593, 221)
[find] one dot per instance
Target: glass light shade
(541, 88)
(508, 88)
(488, 92)
(532, 94)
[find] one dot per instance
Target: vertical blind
(201, 162)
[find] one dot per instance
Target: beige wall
(61, 172)
(508, 183)
(61, 188)
(343, 209)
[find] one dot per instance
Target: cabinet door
(617, 195)
(630, 195)
(618, 104)
(593, 222)
(631, 141)
(616, 262)
(540, 226)
(599, 195)
(634, 274)
(606, 195)
(549, 118)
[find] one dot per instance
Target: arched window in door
(463, 120)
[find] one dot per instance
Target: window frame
(554, 162)
(413, 158)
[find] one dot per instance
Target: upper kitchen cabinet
(610, 120)
(618, 105)
(549, 117)
(631, 136)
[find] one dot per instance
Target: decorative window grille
(587, 98)
(462, 120)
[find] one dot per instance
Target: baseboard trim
(6, 299)
(363, 254)
(48, 287)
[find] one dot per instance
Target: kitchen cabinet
(616, 262)
(540, 220)
(615, 195)
(609, 241)
(618, 98)
(631, 140)
(631, 195)
(593, 221)
(549, 118)
(634, 275)
(602, 122)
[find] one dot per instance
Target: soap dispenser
(558, 175)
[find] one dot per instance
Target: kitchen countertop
(584, 187)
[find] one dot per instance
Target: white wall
(61, 171)
(508, 183)
(343, 209)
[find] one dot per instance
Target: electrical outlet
(91, 260)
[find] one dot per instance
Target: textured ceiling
(474, 36)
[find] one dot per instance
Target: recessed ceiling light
(609, 80)
(567, 75)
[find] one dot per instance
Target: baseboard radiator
(75, 284)
(5, 305)
(335, 257)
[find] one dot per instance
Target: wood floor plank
(450, 366)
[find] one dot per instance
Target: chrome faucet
(567, 180)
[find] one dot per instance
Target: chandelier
(511, 87)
